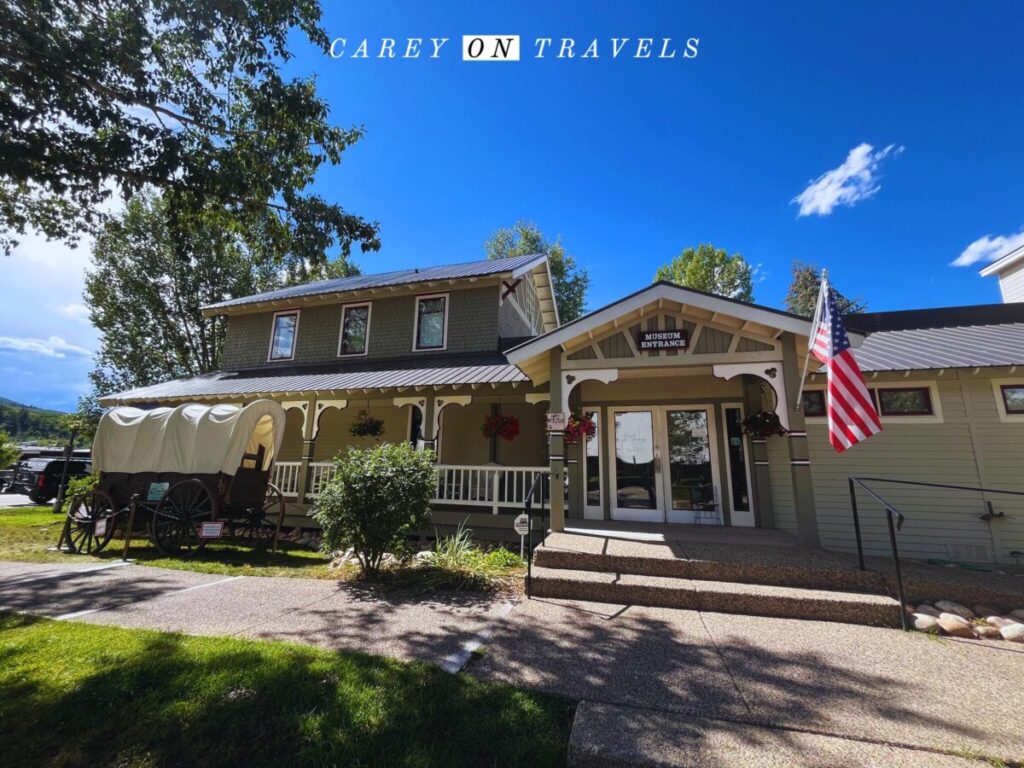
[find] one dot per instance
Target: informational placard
(522, 524)
(101, 527)
(556, 422)
(655, 340)
(211, 530)
(156, 491)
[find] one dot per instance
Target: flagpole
(810, 340)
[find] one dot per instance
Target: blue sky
(630, 160)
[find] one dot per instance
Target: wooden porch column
(556, 446)
(427, 428)
(799, 457)
(764, 515)
(308, 448)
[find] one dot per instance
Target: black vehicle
(39, 478)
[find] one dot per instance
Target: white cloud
(54, 346)
(855, 180)
(988, 248)
(78, 312)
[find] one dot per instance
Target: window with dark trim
(905, 401)
(813, 402)
(1013, 398)
(355, 329)
(283, 334)
(431, 317)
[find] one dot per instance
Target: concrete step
(775, 566)
(718, 596)
(609, 736)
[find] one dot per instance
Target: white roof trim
(1004, 261)
(673, 293)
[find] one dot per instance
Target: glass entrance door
(664, 463)
(690, 467)
(635, 488)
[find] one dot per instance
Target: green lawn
(27, 533)
(75, 694)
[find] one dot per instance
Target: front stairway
(710, 571)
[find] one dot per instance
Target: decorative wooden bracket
(510, 288)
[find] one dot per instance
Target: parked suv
(39, 478)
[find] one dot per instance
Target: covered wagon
(182, 475)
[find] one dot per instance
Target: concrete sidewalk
(329, 614)
(861, 685)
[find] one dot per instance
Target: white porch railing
(320, 473)
(490, 486)
(286, 477)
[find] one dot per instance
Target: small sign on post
(522, 527)
(211, 530)
(156, 491)
(556, 422)
(101, 527)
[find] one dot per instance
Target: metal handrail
(891, 512)
(538, 482)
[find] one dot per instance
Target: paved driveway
(324, 613)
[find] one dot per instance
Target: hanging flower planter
(366, 425)
(500, 425)
(763, 424)
(578, 427)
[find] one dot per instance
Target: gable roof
(1003, 262)
(515, 267)
(663, 289)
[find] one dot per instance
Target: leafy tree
(712, 270)
(187, 98)
(571, 282)
(9, 451)
(802, 296)
(147, 285)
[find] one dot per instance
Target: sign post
(522, 527)
(556, 422)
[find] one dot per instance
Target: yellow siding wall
(334, 435)
(462, 442)
(970, 446)
(291, 443)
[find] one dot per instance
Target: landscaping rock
(954, 625)
(948, 606)
(986, 632)
(1014, 633)
(928, 610)
(1018, 614)
(999, 621)
(925, 622)
(985, 610)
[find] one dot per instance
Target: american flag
(851, 414)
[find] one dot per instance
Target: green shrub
(458, 563)
(502, 558)
(80, 486)
(376, 497)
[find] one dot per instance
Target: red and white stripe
(851, 413)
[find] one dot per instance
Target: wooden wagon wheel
(260, 523)
(83, 515)
(179, 516)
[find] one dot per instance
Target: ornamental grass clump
(377, 497)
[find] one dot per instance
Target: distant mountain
(26, 423)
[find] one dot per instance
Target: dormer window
(283, 334)
(431, 322)
(355, 329)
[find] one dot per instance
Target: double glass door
(664, 466)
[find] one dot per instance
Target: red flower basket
(578, 427)
(500, 425)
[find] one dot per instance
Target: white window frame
(748, 516)
(997, 391)
(416, 323)
(933, 392)
(295, 336)
(341, 330)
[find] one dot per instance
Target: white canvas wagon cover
(190, 439)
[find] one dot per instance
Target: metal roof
(937, 317)
(968, 346)
(384, 279)
(447, 370)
